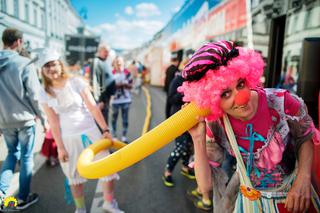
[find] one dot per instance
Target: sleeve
(129, 78)
(166, 80)
(217, 131)
(79, 84)
(300, 122)
(215, 151)
(220, 136)
(174, 97)
(33, 88)
(43, 98)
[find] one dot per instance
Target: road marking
(148, 111)
(96, 206)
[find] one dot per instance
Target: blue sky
(127, 24)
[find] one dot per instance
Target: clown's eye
(241, 84)
(226, 94)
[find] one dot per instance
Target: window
(26, 12)
(35, 17)
(42, 20)
(35, 14)
(3, 6)
(307, 19)
(16, 8)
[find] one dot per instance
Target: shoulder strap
(240, 164)
(248, 205)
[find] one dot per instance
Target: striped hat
(209, 57)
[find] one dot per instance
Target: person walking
(122, 98)
(19, 86)
(183, 148)
(72, 113)
(170, 73)
(103, 82)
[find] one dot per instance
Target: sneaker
(194, 194)
(53, 161)
(168, 181)
(124, 139)
(82, 210)
(189, 174)
(111, 207)
(200, 204)
(31, 199)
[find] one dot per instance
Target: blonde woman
(121, 100)
(72, 112)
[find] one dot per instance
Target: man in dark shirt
(170, 74)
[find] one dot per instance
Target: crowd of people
(252, 153)
(68, 111)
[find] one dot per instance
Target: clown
(274, 134)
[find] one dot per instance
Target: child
(71, 112)
(49, 149)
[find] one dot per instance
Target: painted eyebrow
(225, 90)
(242, 80)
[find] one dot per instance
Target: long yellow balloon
(142, 147)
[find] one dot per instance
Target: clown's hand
(298, 198)
(198, 130)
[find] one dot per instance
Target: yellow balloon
(142, 147)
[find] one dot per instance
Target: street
(140, 188)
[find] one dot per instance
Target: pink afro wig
(206, 91)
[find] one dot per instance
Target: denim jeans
(125, 117)
(20, 142)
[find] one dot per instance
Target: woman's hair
(206, 91)
(115, 60)
(48, 82)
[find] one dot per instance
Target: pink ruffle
(316, 137)
(272, 154)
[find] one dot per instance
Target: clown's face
(239, 101)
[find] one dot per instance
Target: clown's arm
(303, 132)
(202, 168)
(298, 198)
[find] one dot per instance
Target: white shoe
(82, 210)
(124, 139)
(111, 207)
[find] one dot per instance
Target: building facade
(43, 22)
(275, 28)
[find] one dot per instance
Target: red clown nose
(242, 97)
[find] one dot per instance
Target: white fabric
(74, 116)
(74, 147)
(122, 95)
